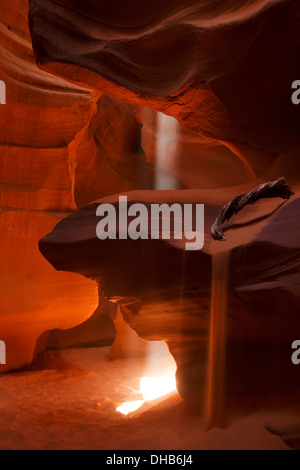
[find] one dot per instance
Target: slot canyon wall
(135, 97)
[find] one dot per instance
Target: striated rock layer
(41, 117)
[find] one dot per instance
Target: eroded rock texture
(222, 69)
(42, 116)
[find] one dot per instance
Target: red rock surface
(222, 69)
(89, 115)
(42, 116)
(62, 147)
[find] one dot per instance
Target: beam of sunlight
(165, 150)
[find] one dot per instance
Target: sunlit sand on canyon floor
(69, 402)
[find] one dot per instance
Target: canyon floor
(68, 400)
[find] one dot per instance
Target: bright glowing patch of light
(151, 388)
(154, 387)
(130, 406)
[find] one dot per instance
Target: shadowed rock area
(221, 68)
(171, 292)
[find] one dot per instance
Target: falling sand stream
(215, 415)
(250, 222)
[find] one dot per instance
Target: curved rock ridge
(138, 42)
(167, 290)
(221, 68)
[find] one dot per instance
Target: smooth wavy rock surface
(40, 119)
(223, 69)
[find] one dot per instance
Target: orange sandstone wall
(42, 116)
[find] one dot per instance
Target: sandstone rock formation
(193, 97)
(41, 117)
(170, 290)
(63, 146)
(222, 70)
